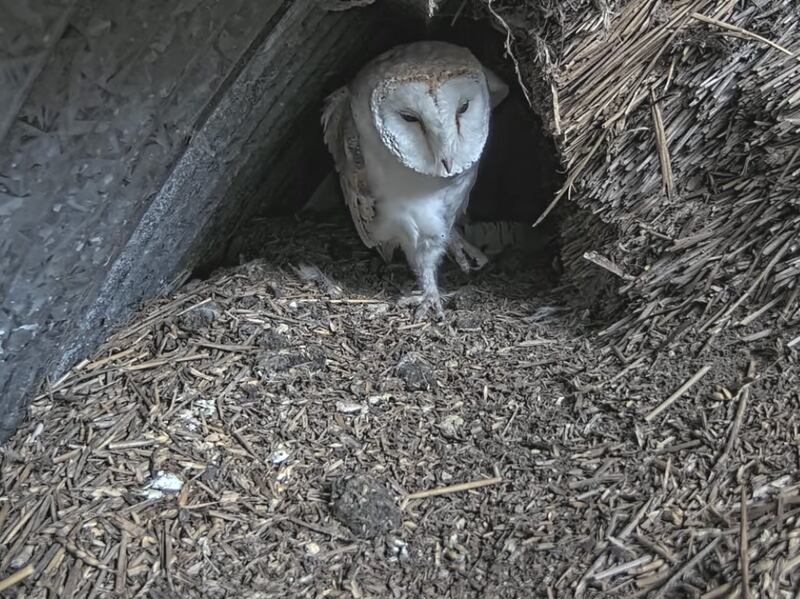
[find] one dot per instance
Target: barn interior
(234, 404)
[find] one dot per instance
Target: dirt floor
(271, 432)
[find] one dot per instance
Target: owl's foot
(426, 303)
(466, 255)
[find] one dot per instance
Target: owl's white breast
(410, 205)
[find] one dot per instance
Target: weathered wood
(151, 129)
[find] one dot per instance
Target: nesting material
(678, 124)
(514, 459)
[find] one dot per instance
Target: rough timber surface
(678, 124)
(133, 137)
(202, 452)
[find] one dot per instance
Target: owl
(406, 136)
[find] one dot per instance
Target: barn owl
(406, 136)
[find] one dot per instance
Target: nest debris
(197, 453)
(679, 127)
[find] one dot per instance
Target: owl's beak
(446, 165)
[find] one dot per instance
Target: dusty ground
(288, 421)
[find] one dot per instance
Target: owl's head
(433, 116)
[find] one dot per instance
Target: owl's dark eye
(463, 108)
(409, 118)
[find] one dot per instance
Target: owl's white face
(437, 129)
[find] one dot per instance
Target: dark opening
(518, 174)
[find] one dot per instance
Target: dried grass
(679, 125)
(517, 451)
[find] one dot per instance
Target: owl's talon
(425, 304)
(465, 254)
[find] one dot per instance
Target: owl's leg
(464, 253)
(424, 258)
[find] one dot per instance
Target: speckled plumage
(406, 136)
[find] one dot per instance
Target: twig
(634, 522)
(510, 52)
(163, 361)
(661, 145)
(744, 396)
(675, 396)
(606, 264)
(324, 531)
(744, 32)
(113, 357)
(724, 590)
(16, 577)
(743, 549)
(80, 554)
(458, 12)
(681, 572)
(343, 5)
(476, 484)
(122, 564)
(573, 176)
(623, 568)
(656, 548)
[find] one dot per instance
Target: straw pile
(679, 125)
(285, 431)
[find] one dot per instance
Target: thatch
(679, 126)
(206, 449)
(220, 445)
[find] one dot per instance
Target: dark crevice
(518, 176)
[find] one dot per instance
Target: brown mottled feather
(341, 137)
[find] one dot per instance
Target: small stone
(280, 455)
(350, 407)
(166, 481)
(376, 399)
(163, 482)
(450, 425)
(397, 548)
(364, 506)
(674, 515)
(377, 310)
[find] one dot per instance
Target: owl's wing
(341, 137)
(332, 117)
